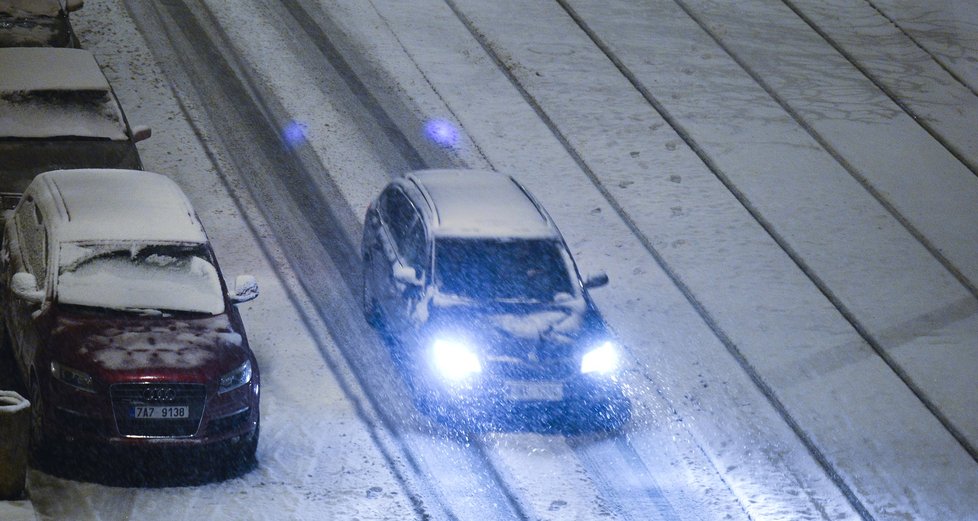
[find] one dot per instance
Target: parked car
(57, 111)
(120, 321)
(37, 23)
(469, 275)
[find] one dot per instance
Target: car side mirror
(407, 275)
(141, 133)
(245, 289)
(74, 5)
(596, 281)
(24, 286)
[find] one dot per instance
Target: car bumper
(76, 416)
(579, 402)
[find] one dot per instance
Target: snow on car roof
(121, 205)
(478, 203)
(31, 69)
(26, 8)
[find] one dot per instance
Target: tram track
(827, 291)
(920, 45)
(838, 156)
(850, 315)
(885, 89)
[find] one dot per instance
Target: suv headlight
(73, 377)
(454, 359)
(236, 378)
(603, 359)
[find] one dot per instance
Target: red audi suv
(121, 324)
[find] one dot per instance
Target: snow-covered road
(782, 192)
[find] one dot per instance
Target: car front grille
(127, 396)
(532, 364)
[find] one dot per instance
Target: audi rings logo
(159, 394)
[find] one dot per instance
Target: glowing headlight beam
(455, 360)
(603, 359)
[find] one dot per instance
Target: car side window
(400, 217)
(414, 250)
(33, 239)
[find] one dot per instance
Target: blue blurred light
(442, 132)
(294, 134)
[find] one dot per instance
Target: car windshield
(24, 8)
(56, 113)
(24, 158)
(141, 278)
(492, 269)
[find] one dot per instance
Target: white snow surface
(32, 69)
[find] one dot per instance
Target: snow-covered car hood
(117, 347)
(555, 329)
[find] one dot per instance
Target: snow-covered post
(14, 436)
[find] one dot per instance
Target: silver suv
(471, 280)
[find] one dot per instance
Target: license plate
(548, 391)
(159, 412)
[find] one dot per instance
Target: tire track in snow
(249, 100)
(608, 485)
(182, 31)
